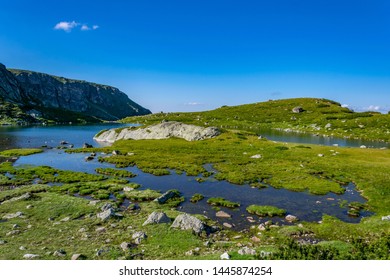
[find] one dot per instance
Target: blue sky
(199, 55)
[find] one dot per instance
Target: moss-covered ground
(44, 226)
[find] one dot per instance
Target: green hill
(317, 116)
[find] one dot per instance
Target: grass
(196, 198)
(219, 201)
(115, 172)
(265, 210)
(20, 152)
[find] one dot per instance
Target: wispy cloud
(374, 108)
(194, 104)
(68, 26)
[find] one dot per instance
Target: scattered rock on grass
(30, 256)
(105, 215)
(186, 221)
(2, 242)
(247, 251)
(256, 156)
(12, 215)
(166, 196)
(125, 246)
(386, 218)
(227, 225)
(225, 256)
(59, 253)
(138, 237)
(157, 218)
(291, 218)
(76, 257)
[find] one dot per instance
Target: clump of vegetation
(196, 197)
(115, 172)
(265, 210)
(219, 201)
(156, 171)
(20, 152)
(142, 195)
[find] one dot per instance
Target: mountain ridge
(43, 97)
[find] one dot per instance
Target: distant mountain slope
(311, 115)
(61, 99)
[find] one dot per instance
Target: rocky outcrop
(45, 96)
(157, 218)
(186, 222)
(162, 130)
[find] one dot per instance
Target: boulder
(247, 251)
(107, 206)
(222, 214)
(166, 196)
(105, 215)
(162, 130)
(86, 146)
(256, 156)
(297, 109)
(227, 225)
(291, 218)
(59, 253)
(125, 246)
(186, 222)
(157, 218)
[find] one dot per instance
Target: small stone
(94, 202)
(246, 251)
(261, 227)
(386, 218)
(66, 219)
(82, 230)
(30, 256)
(22, 248)
(15, 226)
(291, 218)
(222, 214)
(321, 155)
(256, 156)
(255, 239)
(125, 246)
(106, 206)
(29, 206)
(100, 229)
(50, 219)
(13, 232)
(59, 253)
(127, 189)
(227, 225)
(138, 237)
(76, 257)
(29, 226)
(105, 215)
(13, 215)
(363, 147)
(108, 240)
(225, 256)
(268, 223)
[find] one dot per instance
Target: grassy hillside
(319, 116)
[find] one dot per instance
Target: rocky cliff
(63, 99)
(159, 131)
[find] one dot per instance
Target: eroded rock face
(162, 130)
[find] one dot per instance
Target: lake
(306, 206)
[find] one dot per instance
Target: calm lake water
(302, 204)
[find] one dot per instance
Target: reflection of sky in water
(302, 204)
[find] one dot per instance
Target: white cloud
(374, 108)
(194, 103)
(345, 105)
(67, 26)
(85, 27)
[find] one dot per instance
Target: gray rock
(76, 257)
(125, 246)
(100, 229)
(105, 215)
(247, 251)
(186, 222)
(261, 227)
(25, 196)
(256, 156)
(157, 218)
(22, 248)
(297, 110)
(160, 131)
(86, 146)
(12, 215)
(291, 218)
(66, 219)
(227, 225)
(88, 158)
(386, 218)
(139, 236)
(59, 253)
(166, 196)
(106, 206)
(13, 232)
(225, 256)
(2, 242)
(222, 214)
(328, 125)
(363, 147)
(94, 202)
(30, 256)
